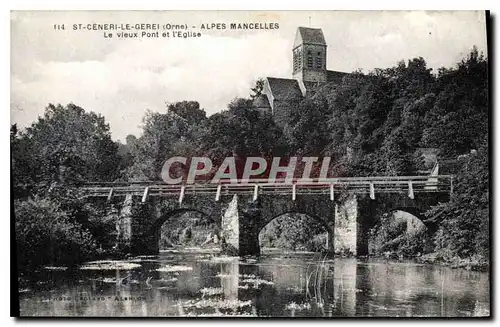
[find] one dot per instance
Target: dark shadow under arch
(432, 226)
(318, 219)
(170, 214)
(153, 234)
(321, 221)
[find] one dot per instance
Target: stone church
(309, 72)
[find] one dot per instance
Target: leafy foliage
(66, 145)
(378, 123)
(241, 132)
(464, 221)
(294, 232)
(257, 89)
(165, 135)
(46, 234)
(190, 229)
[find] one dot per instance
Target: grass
(475, 262)
(317, 281)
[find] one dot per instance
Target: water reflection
(296, 285)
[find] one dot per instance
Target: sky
(122, 78)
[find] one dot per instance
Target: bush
(391, 235)
(294, 232)
(47, 235)
(464, 221)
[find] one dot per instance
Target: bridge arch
(151, 215)
(154, 231)
(319, 208)
(269, 219)
(240, 217)
(321, 221)
(413, 210)
(165, 217)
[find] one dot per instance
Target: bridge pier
(354, 214)
(239, 227)
(124, 225)
(366, 216)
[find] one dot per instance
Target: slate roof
(312, 35)
(261, 101)
(334, 76)
(284, 88)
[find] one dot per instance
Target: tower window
(319, 62)
(295, 61)
(309, 59)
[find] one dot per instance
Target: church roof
(334, 76)
(311, 35)
(261, 101)
(284, 88)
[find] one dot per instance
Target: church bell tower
(309, 59)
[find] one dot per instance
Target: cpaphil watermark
(177, 170)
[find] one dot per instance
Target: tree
(189, 110)
(464, 220)
(459, 118)
(293, 232)
(47, 235)
(66, 145)
(307, 132)
(175, 133)
(257, 89)
(242, 132)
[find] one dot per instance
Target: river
(197, 282)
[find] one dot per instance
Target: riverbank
(476, 263)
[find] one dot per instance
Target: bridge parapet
(346, 207)
(255, 187)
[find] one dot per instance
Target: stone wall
(124, 225)
(230, 226)
(346, 227)
(348, 219)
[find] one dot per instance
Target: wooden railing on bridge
(327, 187)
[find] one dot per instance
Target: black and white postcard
(256, 164)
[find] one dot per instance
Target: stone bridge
(345, 207)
